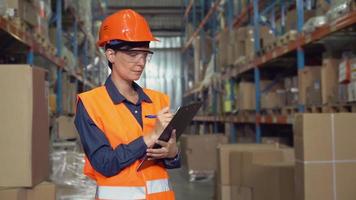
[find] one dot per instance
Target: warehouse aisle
(185, 190)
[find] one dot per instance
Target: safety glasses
(135, 56)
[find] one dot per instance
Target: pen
(151, 116)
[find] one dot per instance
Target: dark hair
(124, 45)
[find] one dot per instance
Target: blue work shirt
(103, 158)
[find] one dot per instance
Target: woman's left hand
(168, 149)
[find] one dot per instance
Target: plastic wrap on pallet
(314, 23)
(339, 9)
(201, 175)
(67, 170)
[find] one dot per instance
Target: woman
(119, 122)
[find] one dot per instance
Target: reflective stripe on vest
(117, 193)
(155, 186)
(113, 192)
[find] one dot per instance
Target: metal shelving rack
(261, 59)
(36, 47)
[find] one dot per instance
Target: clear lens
(135, 56)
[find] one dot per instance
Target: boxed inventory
(24, 138)
(309, 85)
(13, 194)
(199, 151)
(66, 128)
(326, 155)
(42, 191)
(329, 80)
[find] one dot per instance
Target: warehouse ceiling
(164, 16)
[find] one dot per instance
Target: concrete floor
(185, 190)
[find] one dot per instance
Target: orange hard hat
(126, 25)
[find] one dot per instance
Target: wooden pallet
(338, 108)
(272, 111)
(314, 109)
(289, 110)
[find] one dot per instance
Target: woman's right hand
(163, 118)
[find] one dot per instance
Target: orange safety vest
(121, 127)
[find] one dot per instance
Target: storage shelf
(201, 25)
(301, 40)
(251, 118)
(29, 40)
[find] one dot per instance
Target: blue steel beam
(300, 51)
(59, 53)
(256, 20)
(30, 56)
(230, 13)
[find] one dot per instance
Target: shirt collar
(117, 97)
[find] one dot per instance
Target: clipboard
(179, 122)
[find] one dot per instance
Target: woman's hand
(163, 118)
(168, 149)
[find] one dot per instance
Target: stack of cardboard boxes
(329, 80)
(65, 128)
(35, 14)
(199, 153)
(272, 94)
(24, 138)
(255, 171)
(310, 85)
(326, 156)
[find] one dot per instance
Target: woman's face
(129, 64)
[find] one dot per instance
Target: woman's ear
(110, 55)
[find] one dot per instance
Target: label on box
(353, 69)
(344, 72)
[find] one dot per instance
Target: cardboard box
(313, 96)
(43, 191)
(291, 18)
(223, 172)
(66, 128)
(326, 154)
(240, 42)
(199, 151)
(246, 96)
(13, 194)
(242, 193)
(24, 138)
(314, 132)
(233, 192)
(270, 173)
(267, 36)
(316, 181)
(276, 182)
(271, 100)
(309, 77)
(329, 80)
